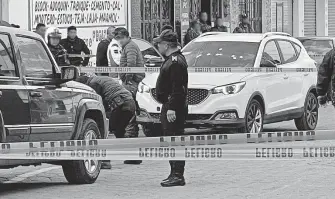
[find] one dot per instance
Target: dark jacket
(219, 29)
(76, 46)
(172, 82)
(205, 27)
(190, 35)
(113, 94)
(326, 75)
(101, 58)
(244, 28)
(60, 55)
(131, 56)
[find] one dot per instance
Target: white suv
(241, 101)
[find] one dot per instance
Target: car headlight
(229, 89)
(142, 88)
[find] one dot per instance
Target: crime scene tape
(195, 70)
(291, 145)
(80, 56)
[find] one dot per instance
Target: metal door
(253, 8)
(331, 18)
(310, 17)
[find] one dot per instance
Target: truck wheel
(152, 130)
(84, 171)
(309, 119)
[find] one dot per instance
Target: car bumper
(146, 118)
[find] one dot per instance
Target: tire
(309, 119)
(152, 130)
(75, 171)
(254, 115)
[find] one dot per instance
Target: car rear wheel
(254, 118)
(152, 130)
(84, 171)
(309, 119)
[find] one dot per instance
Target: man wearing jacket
(326, 79)
(172, 87)
(75, 46)
(102, 50)
(131, 56)
(118, 102)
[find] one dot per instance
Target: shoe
(106, 165)
(174, 181)
(135, 162)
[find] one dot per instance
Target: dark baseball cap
(243, 16)
(167, 36)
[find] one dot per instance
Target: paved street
(217, 179)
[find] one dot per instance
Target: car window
(7, 64)
(35, 59)
(288, 51)
(221, 54)
(271, 53)
(148, 51)
(298, 48)
(317, 49)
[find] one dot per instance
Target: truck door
(14, 104)
(51, 107)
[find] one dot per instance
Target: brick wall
(136, 18)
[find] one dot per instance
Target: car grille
(189, 117)
(194, 96)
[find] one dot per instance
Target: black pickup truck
(38, 102)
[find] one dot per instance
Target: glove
(322, 100)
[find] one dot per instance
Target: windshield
(317, 49)
(221, 54)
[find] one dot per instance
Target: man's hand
(171, 116)
(322, 100)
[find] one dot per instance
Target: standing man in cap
(244, 26)
(204, 22)
(131, 56)
(172, 93)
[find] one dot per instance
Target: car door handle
(285, 77)
(36, 94)
(306, 74)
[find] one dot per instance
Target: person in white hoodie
(114, 56)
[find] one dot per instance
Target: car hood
(201, 80)
(77, 85)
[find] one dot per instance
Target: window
(271, 53)
(7, 63)
(35, 58)
(221, 54)
(289, 54)
(148, 51)
(316, 48)
(298, 48)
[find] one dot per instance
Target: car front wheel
(309, 119)
(84, 171)
(253, 119)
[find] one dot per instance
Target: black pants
(174, 129)
(120, 117)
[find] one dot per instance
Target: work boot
(106, 165)
(174, 180)
(135, 162)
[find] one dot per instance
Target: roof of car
(20, 31)
(249, 37)
(317, 38)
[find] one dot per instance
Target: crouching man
(119, 104)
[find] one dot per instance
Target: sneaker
(174, 181)
(135, 162)
(106, 165)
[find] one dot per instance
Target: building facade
(145, 18)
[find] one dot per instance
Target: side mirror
(268, 64)
(69, 73)
(153, 62)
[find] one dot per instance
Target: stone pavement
(205, 179)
